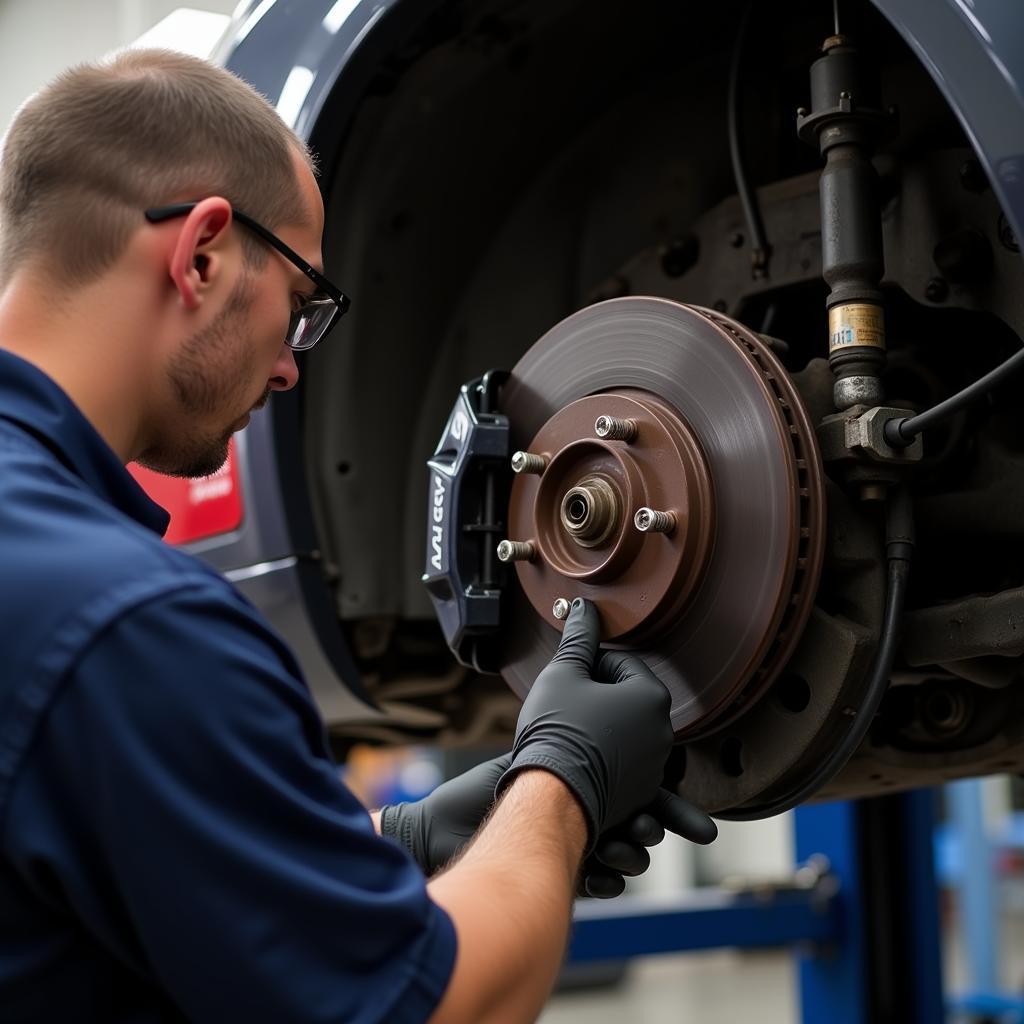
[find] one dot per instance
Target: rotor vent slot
(810, 517)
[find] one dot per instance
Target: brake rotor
(713, 434)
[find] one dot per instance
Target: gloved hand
(621, 851)
(608, 743)
(437, 827)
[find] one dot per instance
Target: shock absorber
(846, 122)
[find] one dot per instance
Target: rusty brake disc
(708, 429)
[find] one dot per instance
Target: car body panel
(974, 50)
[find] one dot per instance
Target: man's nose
(284, 374)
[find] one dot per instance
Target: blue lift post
(866, 934)
(977, 886)
(888, 966)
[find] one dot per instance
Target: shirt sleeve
(181, 802)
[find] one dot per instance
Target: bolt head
(504, 551)
(603, 426)
(642, 520)
(560, 609)
(518, 461)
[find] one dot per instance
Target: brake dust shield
(721, 441)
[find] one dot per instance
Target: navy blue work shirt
(175, 842)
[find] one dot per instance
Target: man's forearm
(510, 898)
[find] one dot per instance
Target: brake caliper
(466, 504)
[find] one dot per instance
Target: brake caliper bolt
(611, 428)
(527, 462)
(515, 551)
(648, 520)
(560, 609)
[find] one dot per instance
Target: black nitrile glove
(607, 743)
(435, 828)
(622, 850)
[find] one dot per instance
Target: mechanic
(175, 842)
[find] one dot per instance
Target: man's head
(198, 306)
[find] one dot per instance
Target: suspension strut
(846, 122)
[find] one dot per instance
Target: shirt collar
(35, 402)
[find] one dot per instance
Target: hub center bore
(591, 511)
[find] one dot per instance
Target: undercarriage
(718, 280)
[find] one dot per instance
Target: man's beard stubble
(203, 375)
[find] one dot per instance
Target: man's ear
(199, 250)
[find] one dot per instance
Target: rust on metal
(716, 606)
(592, 484)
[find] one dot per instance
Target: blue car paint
(974, 50)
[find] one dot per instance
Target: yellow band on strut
(856, 323)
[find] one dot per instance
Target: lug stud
(649, 520)
(610, 428)
(527, 462)
(515, 551)
(560, 609)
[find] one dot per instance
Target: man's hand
(437, 828)
(622, 852)
(509, 896)
(608, 743)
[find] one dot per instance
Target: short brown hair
(89, 153)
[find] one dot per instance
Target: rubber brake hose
(899, 550)
(901, 430)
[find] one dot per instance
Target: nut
(865, 435)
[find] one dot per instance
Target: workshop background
(37, 40)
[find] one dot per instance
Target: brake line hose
(899, 550)
(901, 431)
(759, 248)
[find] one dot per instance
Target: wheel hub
(580, 513)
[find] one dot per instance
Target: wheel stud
(648, 520)
(610, 428)
(515, 551)
(527, 462)
(560, 609)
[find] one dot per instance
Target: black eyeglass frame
(158, 214)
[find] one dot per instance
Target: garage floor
(724, 987)
(706, 988)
